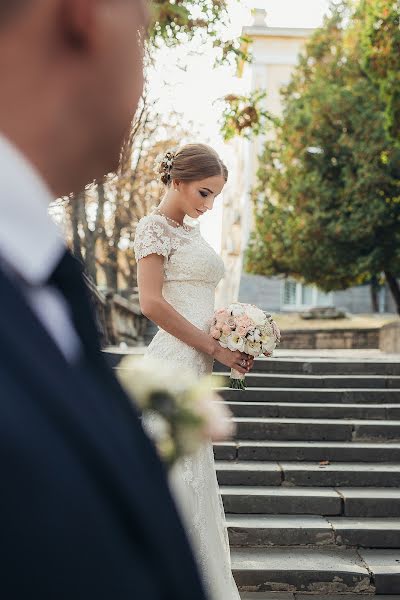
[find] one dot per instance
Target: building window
(297, 296)
(289, 293)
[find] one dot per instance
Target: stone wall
(389, 340)
(320, 339)
(265, 292)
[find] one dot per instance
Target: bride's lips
(200, 212)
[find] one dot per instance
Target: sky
(193, 91)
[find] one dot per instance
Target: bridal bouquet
(246, 328)
(179, 412)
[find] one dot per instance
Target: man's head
(72, 75)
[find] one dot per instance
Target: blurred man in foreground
(85, 512)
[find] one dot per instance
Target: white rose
(156, 426)
(269, 346)
(235, 342)
(253, 348)
(236, 310)
(143, 377)
(257, 335)
(223, 341)
(256, 315)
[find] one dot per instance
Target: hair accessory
(167, 163)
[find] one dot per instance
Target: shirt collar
(30, 242)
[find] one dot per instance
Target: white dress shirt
(31, 245)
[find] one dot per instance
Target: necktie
(68, 279)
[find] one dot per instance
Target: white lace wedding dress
(192, 270)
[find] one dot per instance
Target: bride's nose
(209, 203)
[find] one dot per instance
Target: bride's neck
(169, 208)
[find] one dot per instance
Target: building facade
(275, 52)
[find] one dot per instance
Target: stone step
(308, 474)
(323, 596)
(313, 530)
(323, 570)
(342, 501)
(306, 395)
(321, 366)
(270, 380)
(320, 570)
(315, 410)
(308, 451)
(315, 429)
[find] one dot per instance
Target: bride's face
(197, 197)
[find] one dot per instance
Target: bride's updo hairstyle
(192, 162)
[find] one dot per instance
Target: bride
(177, 275)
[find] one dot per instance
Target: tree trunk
(374, 288)
(75, 210)
(394, 288)
(90, 256)
(111, 268)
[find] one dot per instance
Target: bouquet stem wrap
(237, 380)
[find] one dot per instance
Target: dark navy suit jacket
(85, 511)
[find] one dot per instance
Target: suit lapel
(111, 448)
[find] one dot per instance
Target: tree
(179, 22)
(101, 220)
(245, 116)
(380, 44)
(327, 203)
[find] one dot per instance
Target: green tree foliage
(380, 44)
(244, 115)
(178, 21)
(327, 203)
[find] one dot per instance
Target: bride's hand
(239, 361)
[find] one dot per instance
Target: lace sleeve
(151, 238)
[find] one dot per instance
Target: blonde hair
(192, 162)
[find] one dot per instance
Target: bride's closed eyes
(204, 194)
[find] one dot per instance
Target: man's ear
(78, 21)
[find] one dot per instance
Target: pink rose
(221, 314)
(241, 331)
(215, 332)
(231, 323)
(226, 330)
(245, 322)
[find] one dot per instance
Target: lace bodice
(192, 269)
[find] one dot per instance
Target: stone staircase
(311, 483)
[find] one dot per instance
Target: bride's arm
(157, 309)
